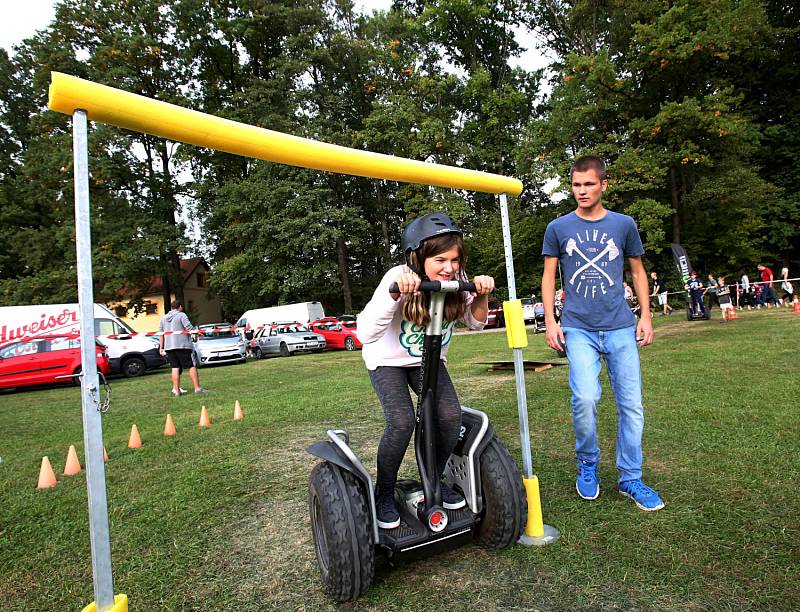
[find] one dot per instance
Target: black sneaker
(386, 509)
(450, 499)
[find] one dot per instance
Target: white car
(285, 339)
(528, 309)
(218, 343)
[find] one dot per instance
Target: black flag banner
(681, 261)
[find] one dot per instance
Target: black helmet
(428, 226)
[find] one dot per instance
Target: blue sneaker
(645, 497)
(587, 484)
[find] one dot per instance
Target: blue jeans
(621, 353)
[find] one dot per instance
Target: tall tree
(657, 100)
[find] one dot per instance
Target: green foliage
(692, 104)
(665, 106)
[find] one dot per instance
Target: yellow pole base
(120, 605)
(536, 532)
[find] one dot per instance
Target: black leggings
(392, 386)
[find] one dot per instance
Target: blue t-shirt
(592, 255)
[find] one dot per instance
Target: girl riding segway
(392, 328)
(469, 486)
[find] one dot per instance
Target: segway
(693, 310)
(341, 494)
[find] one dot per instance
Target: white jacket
(388, 339)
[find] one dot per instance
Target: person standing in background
(746, 297)
(660, 291)
(711, 290)
(178, 347)
(767, 293)
(786, 287)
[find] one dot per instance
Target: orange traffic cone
(205, 420)
(47, 477)
(73, 466)
(169, 426)
(795, 305)
(105, 454)
(238, 415)
(134, 441)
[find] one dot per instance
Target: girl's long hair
(415, 308)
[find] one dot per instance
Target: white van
(127, 354)
(302, 312)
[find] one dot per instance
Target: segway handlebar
(436, 286)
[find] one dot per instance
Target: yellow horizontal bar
(141, 114)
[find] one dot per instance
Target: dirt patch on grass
(274, 541)
(272, 554)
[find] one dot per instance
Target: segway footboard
(412, 540)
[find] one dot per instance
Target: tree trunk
(170, 206)
(383, 211)
(676, 218)
(341, 253)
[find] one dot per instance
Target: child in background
(725, 303)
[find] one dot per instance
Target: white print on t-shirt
(412, 336)
(590, 272)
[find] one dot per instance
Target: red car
(45, 360)
(495, 317)
(337, 334)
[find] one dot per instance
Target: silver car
(218, 343)
(286, 339)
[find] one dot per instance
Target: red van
(43, 360)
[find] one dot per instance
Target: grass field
(217, 520)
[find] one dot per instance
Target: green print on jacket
(412, 337)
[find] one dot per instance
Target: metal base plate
(551, 534)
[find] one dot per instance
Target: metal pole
(519, 369)
(90, 391)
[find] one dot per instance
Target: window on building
(150, 308)
(120, 310)
(201, 280)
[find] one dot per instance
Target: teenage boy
(592, 244)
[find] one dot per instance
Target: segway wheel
(707, 315)
(341, 526)
(505, 503)
(688, 314)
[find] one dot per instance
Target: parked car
(45, 360)
(529, 309)
(218, 343)
(128, 353)
(337, 334)
(347, 320)
(285, 339)
(496, 316)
